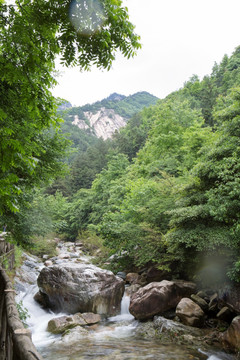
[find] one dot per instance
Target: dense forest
(165, 190)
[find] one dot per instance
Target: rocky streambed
(79, 311)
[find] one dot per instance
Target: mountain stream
(114, 338)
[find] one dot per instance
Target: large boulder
(190, 313)
(231, 337)
(230, 296)
(158, 297)
(81, 288)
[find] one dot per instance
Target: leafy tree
(175, 137)
(136, 226)
(88, 164)
(89, 205)
(206, 219)
(130, 139)
(32, 34)
(136, 223)
(40, 215)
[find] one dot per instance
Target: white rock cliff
(103, 123)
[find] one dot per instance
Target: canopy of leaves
(177, 203)
(32, 34)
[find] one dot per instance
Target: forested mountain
(105, 117)
(165, 190)
(170, 192)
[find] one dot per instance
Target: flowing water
(113, 339)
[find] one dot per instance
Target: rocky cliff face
(104, 117)
(103, 123)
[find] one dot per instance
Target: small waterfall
(125, 305)
(38, 318)
(124, 314)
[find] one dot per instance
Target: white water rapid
(113, 339)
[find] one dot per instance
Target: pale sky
(179, 38)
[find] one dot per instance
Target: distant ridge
(104, 117)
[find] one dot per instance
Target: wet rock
(213, 304)
(170, 327)
(169, 331)
(121, 274)
(225, 314)
(202, 294)
(158, 297)
(79, 244)
(230, 339)
(29, 271)
(133, 278)
(154, 274)
(81, 288)
(48, 263)
(61, 324)
(63, 256)
(190, 313)
(230, 296)
(130, 290)
(201, 302)
(39, 299)
(90, 318)
(72, 336)
(145, 330)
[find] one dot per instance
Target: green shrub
(93, 245)
(42, 246)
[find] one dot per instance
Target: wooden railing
(15, 340)
(6, 252)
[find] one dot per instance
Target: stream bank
(116, 337)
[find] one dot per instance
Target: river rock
(48, 263)
(225, 314)
(130, 290)
(64, 256)
(200, 301)
(121, 274)
(90, 318)
(231, 337)
(133, 278)
(81, 288)
(161, 324)
(213, 304)
(154, 274)
(169, 331)
(190, 313)
(63, 323)
(230, 296)
(72, 336)
(158, 297)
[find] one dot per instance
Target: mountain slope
(105, 117)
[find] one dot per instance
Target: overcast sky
(179, 38)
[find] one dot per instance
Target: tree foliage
(176, 204)
(32, 34)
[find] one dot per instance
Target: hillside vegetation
(125, 106)
(166, 189)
